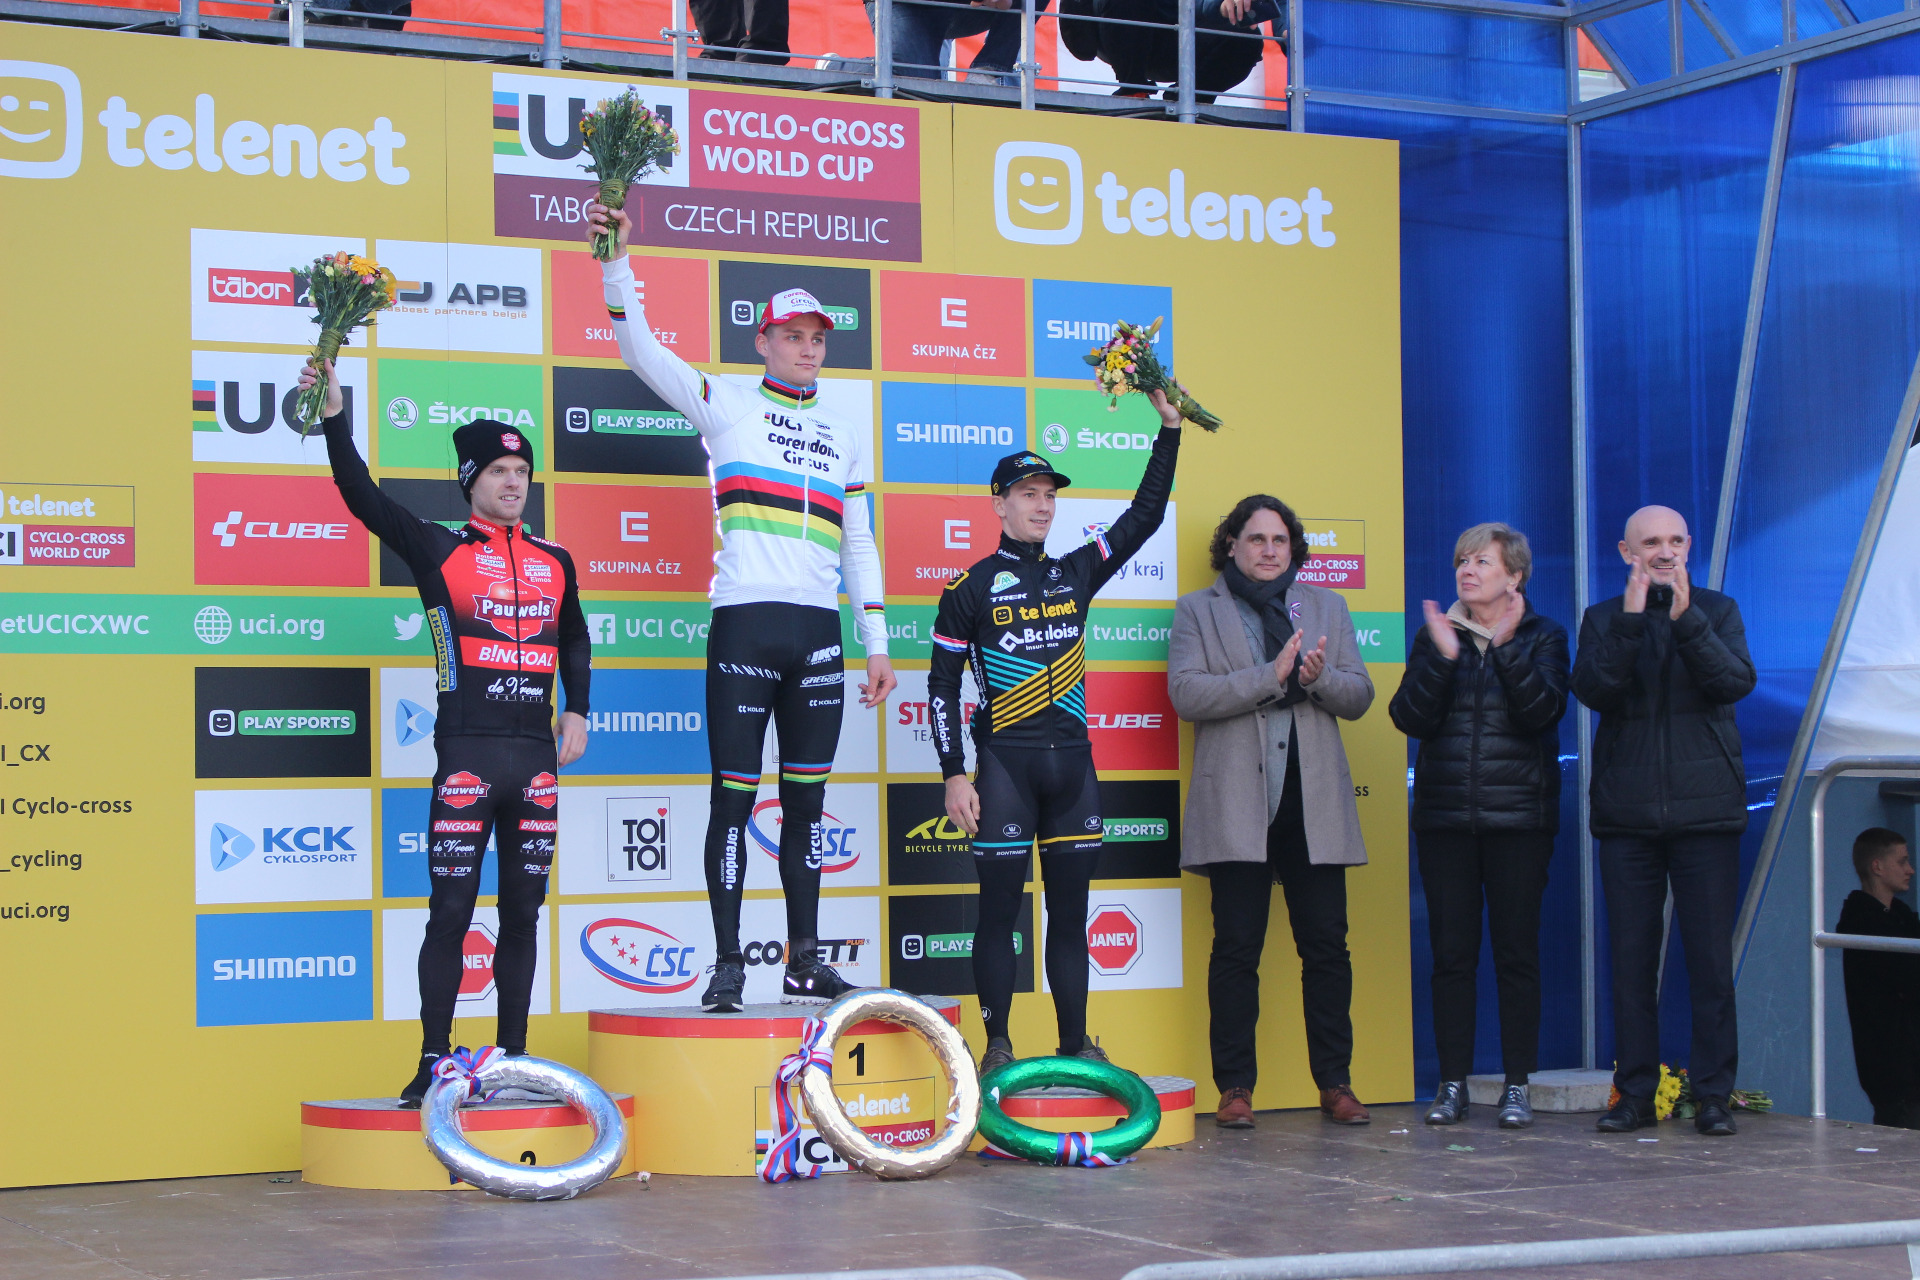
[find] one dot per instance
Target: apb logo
(464, 297)
(282, 722)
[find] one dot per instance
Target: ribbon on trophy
(467, 1064)
(783, 1153)
(1069, 1149)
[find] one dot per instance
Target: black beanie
(479, 442)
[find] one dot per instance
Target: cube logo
(1039, 193)
(1131, 721)
(288, 531)
(41, 125)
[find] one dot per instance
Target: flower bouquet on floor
(1127, 364)
(624, 141)
(345, 292)
(1674, 1098)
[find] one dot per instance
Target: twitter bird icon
(408, 627)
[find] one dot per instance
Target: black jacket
(1666, 758)
(1883, 1002)
(1487, 724)
(1019, 619)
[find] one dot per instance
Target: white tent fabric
(1874, 707)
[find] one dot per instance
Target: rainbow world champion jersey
(789, 478)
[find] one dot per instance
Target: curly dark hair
(1220, 550)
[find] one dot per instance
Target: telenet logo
(43, 125)
(1039, 197)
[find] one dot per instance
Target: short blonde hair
(1515, 554)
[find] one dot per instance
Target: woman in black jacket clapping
(1485, 687)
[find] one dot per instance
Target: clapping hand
(1441, 631)
(1682, 593)
(1638, 580)
(1513, 609)
(1289, 653)
(1312, 662)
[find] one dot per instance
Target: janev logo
(1040, 196)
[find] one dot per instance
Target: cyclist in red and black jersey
(504, 608)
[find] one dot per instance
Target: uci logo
(41, 129)
(1039, 193)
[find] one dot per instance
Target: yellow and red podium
(373, 1143)
(1067, 1110)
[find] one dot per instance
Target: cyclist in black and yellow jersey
(1018, 618)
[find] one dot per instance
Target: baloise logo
(639, 957)
(1039, 197)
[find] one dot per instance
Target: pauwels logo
(463, 790)
(1040, 196)
(517, 609)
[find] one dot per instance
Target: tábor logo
(463, 790)
(638, 956)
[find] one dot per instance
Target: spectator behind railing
(757, 25)
(1142, 56)
(1883, 988)
(380, 15)
(921, 27)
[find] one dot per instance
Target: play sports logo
(1040, 198)
(43, 123)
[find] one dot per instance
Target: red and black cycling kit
(1019, 619)
(504, 609)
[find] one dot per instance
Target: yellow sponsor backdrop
(1295, 345)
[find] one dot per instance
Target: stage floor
(1295, 1185)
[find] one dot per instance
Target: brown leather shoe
(1340, 1106)
(1236, 1109)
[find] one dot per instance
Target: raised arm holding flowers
(624, 141)
(346, 291)
(1127, 364)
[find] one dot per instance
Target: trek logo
(638, 956)
(463, 790)
(1040, 196)
(516, 608)
(256, 288)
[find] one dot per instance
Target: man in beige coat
(1271, 797)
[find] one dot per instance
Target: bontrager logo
(1039, 196)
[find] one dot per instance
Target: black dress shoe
(1627, 1115)
(1713, 1118)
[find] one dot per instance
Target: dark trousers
(1317, 907)
(1508, 871)
(1705, 874)
(759, 25)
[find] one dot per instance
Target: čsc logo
(833, 838)
(638, 956)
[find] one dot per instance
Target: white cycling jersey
(789, 480)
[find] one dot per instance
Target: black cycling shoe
(1628, 1114)
(808, 981)
(415, 1092)
(999, 1053)
(1089, 1049)
(723, 993)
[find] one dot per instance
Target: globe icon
(213, 624)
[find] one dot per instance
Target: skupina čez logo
(1040, 197)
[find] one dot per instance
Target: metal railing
(1822, 940)
(675, 47)
(1548, 1253)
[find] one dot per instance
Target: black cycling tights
(783, 661)
(503, 786)
(1003, 880)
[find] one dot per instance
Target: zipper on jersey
(519, 644)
